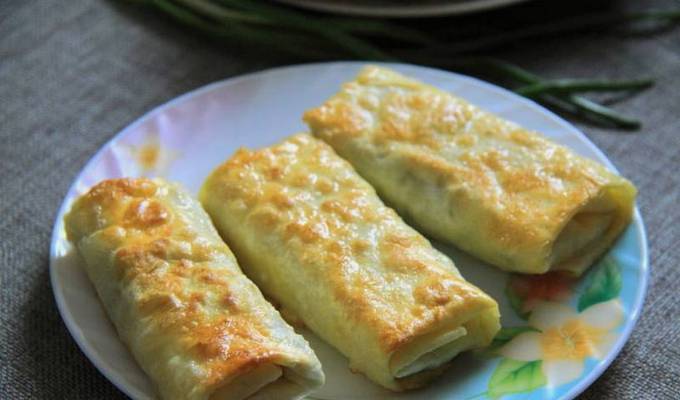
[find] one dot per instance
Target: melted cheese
(467, 177)
(316, 238)
(197, 326)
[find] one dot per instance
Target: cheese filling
(582, 236)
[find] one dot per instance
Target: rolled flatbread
(504, 194)
(193, 321)
(316, 238)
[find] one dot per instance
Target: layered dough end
(592, 230)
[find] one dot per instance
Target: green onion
(312, 36)
(562, 86)
(577, 24)
(568, 103)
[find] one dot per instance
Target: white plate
(200, 129)
(401, 8)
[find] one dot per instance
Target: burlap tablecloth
(73, 73)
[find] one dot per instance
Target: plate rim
(402, 11)
(115, 379)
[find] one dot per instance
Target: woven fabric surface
(73, 73)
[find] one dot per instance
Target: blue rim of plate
(594, 374)
(583, 382)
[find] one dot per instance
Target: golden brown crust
(163, 260)
(310, 206)
(522, 184)
(323, 220)
(182, 282)
(415, 122)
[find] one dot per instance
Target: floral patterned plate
(558, 336)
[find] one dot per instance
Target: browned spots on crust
(222, 337)
(509, 227)
(265, 218)
(158, 303)
(435, 292)
(281, 200)
(444, 171)
(137, 259)
(178, 277)
(360, 246)
(494, 160)
(302, 180)
(565, 170)
(419, 102)
(341, 234)
(524, 180)
(336, 251)
(397, 240)
(394, 129)
(237, 362)
(343, 116)
(466, 140)
(211, 348)
(230, 301)
(338, 208)
(209, 277)
(525, 138)
(197, 298)
(274, 172)
(443, 141)
(324, 185)
(117, 188)
(146, 213)
(238, 162)
(306, 232)
(397, 255)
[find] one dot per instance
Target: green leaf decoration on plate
(512, 376)
(604, 284)
(507, 334)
